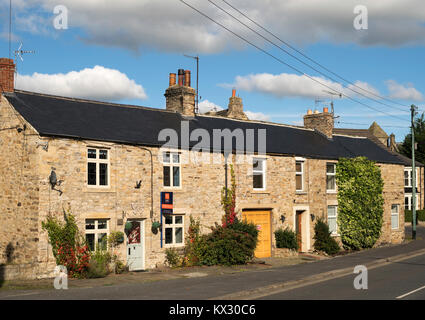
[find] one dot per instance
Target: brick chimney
(235, 107)
(7, 74)
(180, 96)
(320, 121)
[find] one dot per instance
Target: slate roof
(101, 121)
(368, 134)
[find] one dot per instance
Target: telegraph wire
(286, 64)
(364, 124)
(312, 60)
(304, 63)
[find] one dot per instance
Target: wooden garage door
(262, 220)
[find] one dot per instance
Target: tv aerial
(333, 93)
(19, 53)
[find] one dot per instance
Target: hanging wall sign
(166, 202)
(166, 206)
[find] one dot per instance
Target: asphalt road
(398, 280)
(385, 282)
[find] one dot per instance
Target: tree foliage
(406, 146)
(360, 202)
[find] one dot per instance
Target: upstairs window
(299, 175)
(171, 170)
(408, 179)
(98, 167)
(259, 174)
(330, 177)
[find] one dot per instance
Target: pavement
(253, 281)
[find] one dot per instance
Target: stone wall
(19, 232)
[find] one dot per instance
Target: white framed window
(259, 174)
(98, 167)
(332, 219)
(394, 216)
(174, 230)
(408, 179)
(97, 231)
(299, 175)
(331, 177)
(171, 169)
(408, 202)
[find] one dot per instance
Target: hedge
(420, 215)
(360, 202)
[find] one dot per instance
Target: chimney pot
(309, 111)
(234, 93)
(316, 111)
(325, 109)
(172, 79)
(181, 77)
(187, 78)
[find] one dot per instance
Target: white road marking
(409, 293)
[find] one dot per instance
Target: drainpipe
(150, 152)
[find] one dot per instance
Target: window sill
(335, 235)
(331, 191)
(173, 245)
(96, 189)
(300, 192)
(260, 191)
(171, 189)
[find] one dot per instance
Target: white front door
(135, 246)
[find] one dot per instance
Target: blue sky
(136, 44)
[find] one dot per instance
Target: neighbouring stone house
(376, 134)
(111, 167)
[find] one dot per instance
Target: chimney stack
(235, 108)
(322, 122)
(7, 75)
(181, 97)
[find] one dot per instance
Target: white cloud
(98, 83)
(399, 91)
(169, 25)
(257, 116)
(205, 106)
(292, 85)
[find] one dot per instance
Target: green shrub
(69, 248)
(244, 226)
(227, 246)
(323, 239)
(99, 264)
(360, 202)
(420, 215)
(286, 238)
(172, 257)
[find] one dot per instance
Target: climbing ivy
(360, 202)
